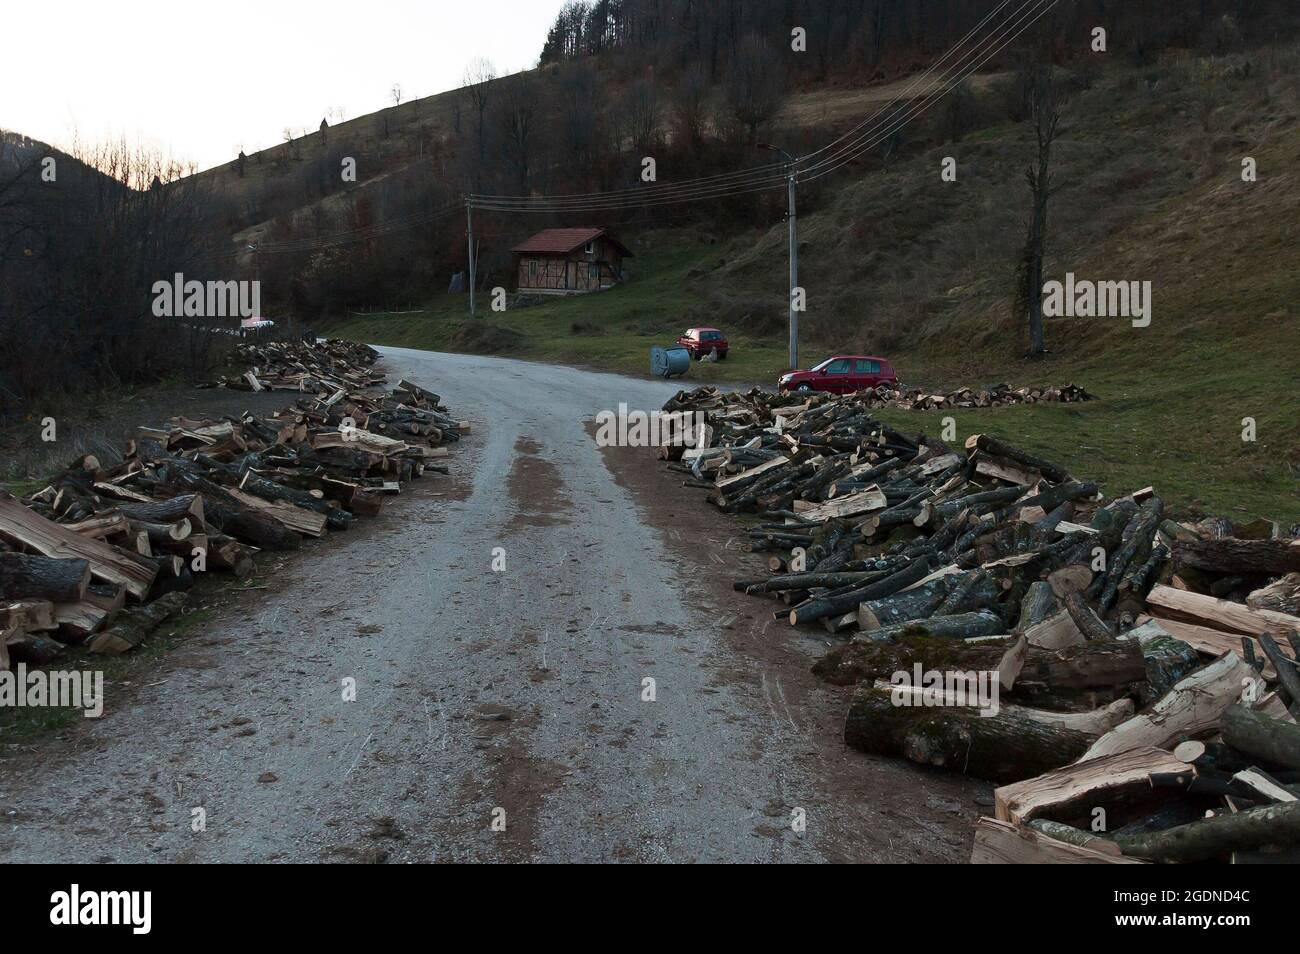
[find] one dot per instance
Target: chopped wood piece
(999, 842)
(1167, 602)
(1194, 705)
(1090, 782)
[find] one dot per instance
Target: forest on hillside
(697, 85)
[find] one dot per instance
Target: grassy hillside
(897, 262)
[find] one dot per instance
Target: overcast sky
(200, 80)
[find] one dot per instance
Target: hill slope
(897, 261)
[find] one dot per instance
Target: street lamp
(794, 255)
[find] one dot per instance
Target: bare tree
(639, 110)
(516, 113)
(689, 96)
(579, 117)
(755, 84)
(1045, 114)
(478, 83)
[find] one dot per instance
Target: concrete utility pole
(794, 254)
(469, 222)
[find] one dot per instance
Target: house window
(591, 248)
(593, 271)
(532, 268)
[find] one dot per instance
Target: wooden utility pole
(469, 231)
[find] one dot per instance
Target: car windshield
(826, 364)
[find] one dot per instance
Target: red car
(700, 341)
(842, 374)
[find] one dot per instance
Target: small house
(569, 261)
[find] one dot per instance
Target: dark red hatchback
(700, 341)
(842, 374)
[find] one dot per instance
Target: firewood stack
(194, 496)
(304, 366)
(1145, 668)
(915, 399)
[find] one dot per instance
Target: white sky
(200, 79)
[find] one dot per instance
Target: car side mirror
(822, 371)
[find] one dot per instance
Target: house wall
(571, 272)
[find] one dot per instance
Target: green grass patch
(121, 673)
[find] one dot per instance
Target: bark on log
(165, 511)
(106, 562)
(832, 606)
(1193, 706)
(961, 626)
(1239, 557)
(133, 627)
(903, 607)
(997, 448)
(1001, 748)
(43, 578)
(1261, 736)
(1084, 618)
(1219, 835)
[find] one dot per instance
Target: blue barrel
(669, 362)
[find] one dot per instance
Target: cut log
(287, 515)
(1000, 747)
(1088, 622)
(1193, 706)
(1093, 665)
(843, 603)
(135, 626)
(1261, 736)
(43, 578)
(166, 511)
(1218, 835)
(98, 608)
(28, 615)
(1088, 783)
(1038, 604)
(959, 626)
(30, 648)
(1001, 843)
(1170, 603)
(105, 525)
(1264, 785)
(1231, 556)
(1280, 596)
(997, 448)
(1210, 642)
(1056, 632)
(49, 538)
(227, 553)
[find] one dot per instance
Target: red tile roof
(563, 241)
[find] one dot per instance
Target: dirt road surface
(485, 697)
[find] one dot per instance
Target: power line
(900, 111)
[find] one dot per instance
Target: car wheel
(804, 388)
(722, 356)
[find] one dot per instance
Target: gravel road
(488, 699)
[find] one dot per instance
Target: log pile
(916, 399)
(1146, 684)
(305, 365)
(193, 496)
